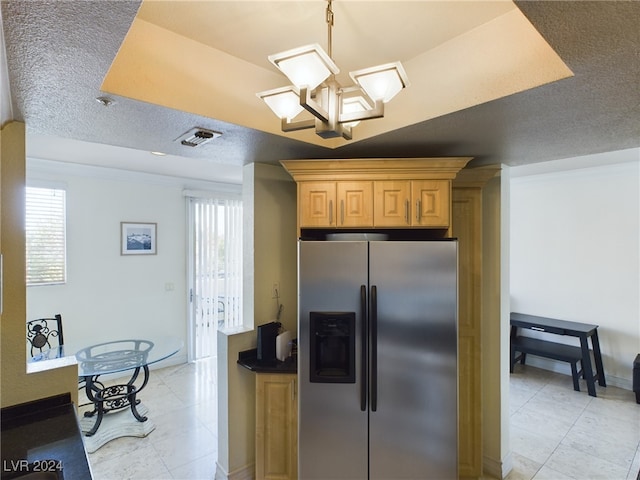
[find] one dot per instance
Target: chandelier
(336, 109)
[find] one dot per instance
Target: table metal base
(117, 410)
(115, 425)
(113, 398)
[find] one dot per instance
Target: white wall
(107, 294)
(575, 252)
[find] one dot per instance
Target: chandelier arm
(346, 132)
(311, 106)
(288, 126)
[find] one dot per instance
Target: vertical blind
(218, 260)
(45, 222)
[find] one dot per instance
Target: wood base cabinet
(276, 426)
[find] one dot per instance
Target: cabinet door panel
(355, 204)
(276, 427)
(431, 203)
(392, 204)
(318, 204)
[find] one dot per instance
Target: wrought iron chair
(44, 334)
(45, 341)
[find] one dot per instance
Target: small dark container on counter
(267, 334)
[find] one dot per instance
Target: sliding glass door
(215, 269)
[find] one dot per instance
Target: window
(45, 236)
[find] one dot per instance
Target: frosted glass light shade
(305, 66)
(382, 82)
(285, 101)
(353, 105)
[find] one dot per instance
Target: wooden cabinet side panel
(317, 206)
(431, 202)
(294, 428)
(470, 433)
(467, 228)
(355, 204)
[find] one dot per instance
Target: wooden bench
(553, 350)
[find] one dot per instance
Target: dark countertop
(45, 434)
(249, 359)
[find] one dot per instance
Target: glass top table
(130, 357)
(116, 355)
(122, 355)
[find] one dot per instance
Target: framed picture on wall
(137, 238)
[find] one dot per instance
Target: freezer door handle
(374, 348)
(363, 357)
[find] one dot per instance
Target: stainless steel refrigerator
(377, 360)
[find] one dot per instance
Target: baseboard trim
(244, 473)
(563, 367)
(497, 469)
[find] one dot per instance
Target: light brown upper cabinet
(412, 203)
(336, 204)
(374, 193)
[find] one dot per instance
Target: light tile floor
(556, 433)
(182, 403)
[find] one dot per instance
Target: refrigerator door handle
(374, 348)
(363, 356)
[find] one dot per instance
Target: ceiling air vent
(197, 137)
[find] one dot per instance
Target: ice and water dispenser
(332, 349)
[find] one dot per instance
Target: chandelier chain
(329, 28)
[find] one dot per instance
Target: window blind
(45, 224)
(218, 260)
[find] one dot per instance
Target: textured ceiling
(490, 51)
(58, 53)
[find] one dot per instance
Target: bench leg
(515, 358)
(586, 367)
(512, 360)
(575, 376)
